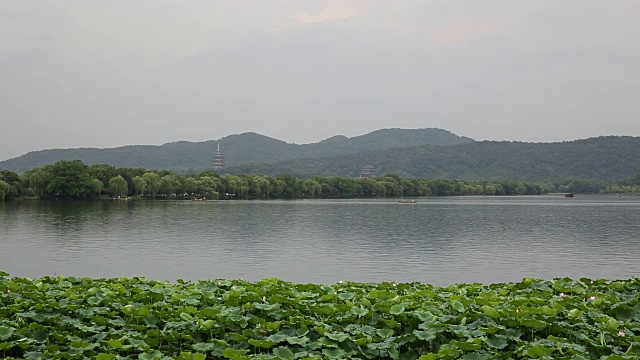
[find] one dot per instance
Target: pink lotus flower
(621, 333)
(562, 295)
(518, 310)
(8, 290)
(592, 298)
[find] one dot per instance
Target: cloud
(463, 29)
(334, 10)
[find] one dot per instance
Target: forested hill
(237, 149)
(602, 158)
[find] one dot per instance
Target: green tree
(96, 187)
(170, 185)
(36, 179)
(14, 182)
(69, 179)
(207, 186)
(139, 185)
(4, 189)
(103, 172)
(153, 182)
(118, 186)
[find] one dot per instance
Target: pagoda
(218, 160)
(368, 171)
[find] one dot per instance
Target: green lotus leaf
(274, 326)
(424, 335)
(203, 347)
(538, 351)
(114, 344)
(231, 353)
(533, 323)
(346, 296)
(297, 340)
(266, 307)
(430, 356)
(186, 317)
(497, 342)
(105, 356)
(465, 346)
(155, 354)
(384, 333)
(334, 353)
(458, 306)
(339, 337)
(489, 311)
(283, 353)
(39, 335)
(328, 342)
(381, 294)
(477, 356)
(575, 314)
(6, 332)
(265, 344)
(190, 356)
(277, 338)
(359, 311)
(397, 309)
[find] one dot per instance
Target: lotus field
(76, 318)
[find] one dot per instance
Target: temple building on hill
(218, 160)
(368, 171)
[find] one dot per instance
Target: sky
(88, 73)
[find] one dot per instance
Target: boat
(408, 201)
(569, 195)
(120, 198)
(199, 199)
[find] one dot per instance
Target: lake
(439, 240)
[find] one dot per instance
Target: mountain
(602, 158)
(237, 149)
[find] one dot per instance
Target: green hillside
(602, 158)
(238, 150)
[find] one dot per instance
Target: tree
(38, 181)
(206, 186)
(170, 185)
(14, 182)
(139, 185)
(69, 179)
(103, 172)
(4, 189)
(96, 186)
(153, 182)
(118, 186)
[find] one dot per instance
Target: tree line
(76, 180)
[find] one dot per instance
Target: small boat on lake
(569, 195)
(408, 201)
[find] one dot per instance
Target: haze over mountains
(425, 153)
(238, 150)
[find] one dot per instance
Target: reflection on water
(437, 240)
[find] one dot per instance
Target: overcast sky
(88, 73)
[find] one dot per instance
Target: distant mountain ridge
(602, 158)
(238, 149)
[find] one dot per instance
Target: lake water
(438, 240)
